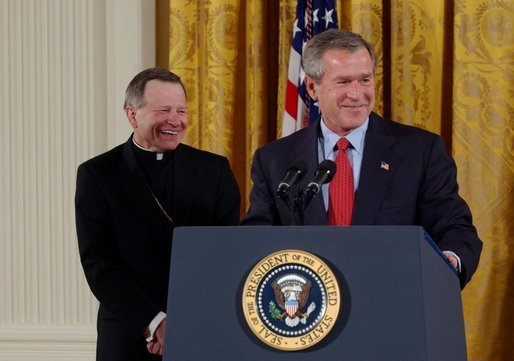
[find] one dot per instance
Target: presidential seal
(291, 300)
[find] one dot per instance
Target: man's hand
(452, 260)
(156, 346)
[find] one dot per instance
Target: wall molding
(35, 342)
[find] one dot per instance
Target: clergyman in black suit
(128, 201)
(402, 175)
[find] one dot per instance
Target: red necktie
(341, 193)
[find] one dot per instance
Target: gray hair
(339, 39)
(135, 93)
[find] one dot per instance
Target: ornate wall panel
(47, 104)
(53, 90)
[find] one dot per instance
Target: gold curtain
(226, 53)
(483, 146)
(446, 66)
(365, 17)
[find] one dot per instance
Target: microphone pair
(324, 174)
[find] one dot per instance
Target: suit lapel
(379, 163)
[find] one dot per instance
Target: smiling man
(129, 200)
(159, 116)
(387, 173)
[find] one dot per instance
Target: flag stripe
(291, 100)
(312, 17)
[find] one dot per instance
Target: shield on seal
(291, 307)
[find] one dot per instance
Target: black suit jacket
(125, 240)
(420, 187)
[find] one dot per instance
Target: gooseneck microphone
(293, 175)
(324, 174)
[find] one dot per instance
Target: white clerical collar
(158, 156)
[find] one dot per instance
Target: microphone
(293, 175)
(324, 174)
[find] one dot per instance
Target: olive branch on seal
(273, 310)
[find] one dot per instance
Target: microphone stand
(285, 198)
(300, 202)
(324, 174)
(299, 208)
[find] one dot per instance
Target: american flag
(312, 17)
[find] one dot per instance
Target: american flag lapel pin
(384, 165)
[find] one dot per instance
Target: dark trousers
(115, 344)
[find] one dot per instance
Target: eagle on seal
(292, 298)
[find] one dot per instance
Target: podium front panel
(397, 294)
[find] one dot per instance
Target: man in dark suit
(399, 175)
(129, 200)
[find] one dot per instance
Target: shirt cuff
(154, 324)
